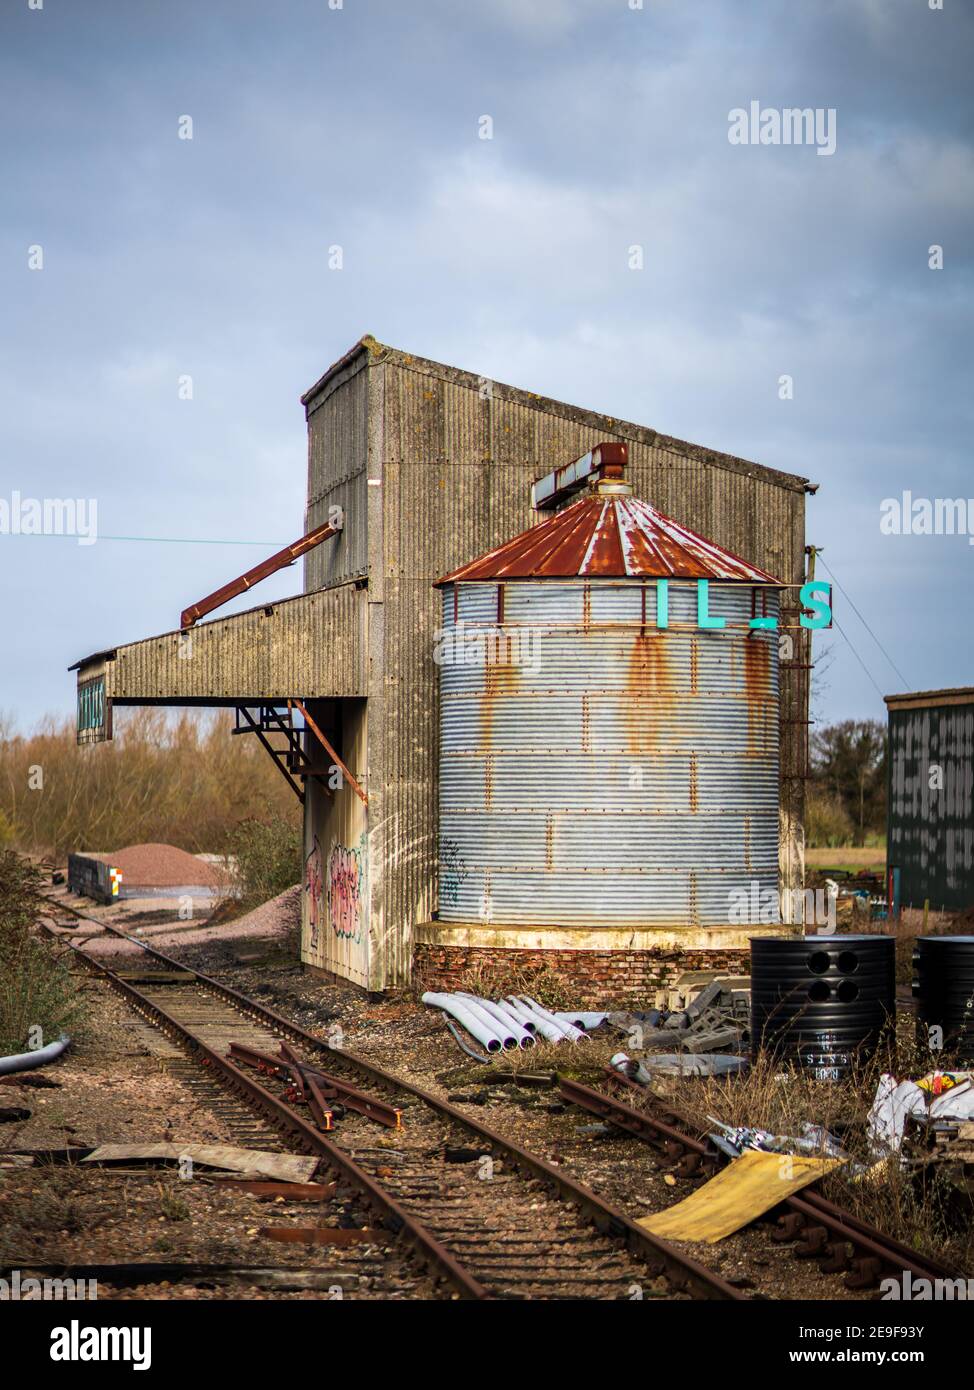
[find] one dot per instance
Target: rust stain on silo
(694, 797)
(500, 680)
(648, 677)
(756, 689)
(549, 842)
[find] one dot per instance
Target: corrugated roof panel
(611, 537)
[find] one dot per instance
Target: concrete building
(422, 467)
(930, 815)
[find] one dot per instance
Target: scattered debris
(693, 983)
(940, 1096)
(713, 1015)
(747, 1188)
(678, 1064)
(814, 1139)
(282, 1167)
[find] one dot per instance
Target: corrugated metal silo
(603, 761)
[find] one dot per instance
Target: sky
(132, 259)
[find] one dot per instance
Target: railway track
(837, 1241)
(486, 1217)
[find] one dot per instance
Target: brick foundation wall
(596, 979)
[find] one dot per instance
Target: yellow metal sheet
(744, 1190)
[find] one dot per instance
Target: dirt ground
(852, 857)
(122, 1080)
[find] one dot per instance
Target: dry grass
(49, 1207)
(919, 1206)
(851, 857)
(492, 980)
(181, 780)
(38, 996)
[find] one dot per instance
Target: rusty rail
(824, 1228)
(661, 1258)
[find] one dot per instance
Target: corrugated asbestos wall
(336, 864)
(337, 461)
(313, 645)
(451, 460)
(931, 828)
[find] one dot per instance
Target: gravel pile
(163, 866)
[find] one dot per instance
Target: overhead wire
(899, 674)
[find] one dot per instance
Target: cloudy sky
(316, 125)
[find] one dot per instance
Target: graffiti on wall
(453, 871)
(346, 891)
(314, 887)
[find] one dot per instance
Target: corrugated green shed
(930, 836)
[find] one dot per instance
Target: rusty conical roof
(610, 537)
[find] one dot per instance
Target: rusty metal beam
(267, 567)
(608, 459)
(346, 772)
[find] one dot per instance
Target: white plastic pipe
(505, 1029)
(506, 1020)
(517, 1011)
(27, 1061)
(582, 1019)
(575, 1034)
(527, 1022)
(487, 1037)
(549, 1031)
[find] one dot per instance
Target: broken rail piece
(318, 1086)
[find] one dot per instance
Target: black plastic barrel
(824, 1002)
(943, 989)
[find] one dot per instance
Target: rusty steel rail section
(305, 1136)
(824, 1229)
(683, 1272)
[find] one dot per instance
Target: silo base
(601, 967)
